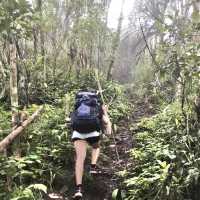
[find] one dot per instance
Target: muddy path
(114, 158)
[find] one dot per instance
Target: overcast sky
(114, 12)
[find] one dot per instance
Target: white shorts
(76, 134)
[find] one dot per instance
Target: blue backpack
(86, 117)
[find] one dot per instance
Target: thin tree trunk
(116, 41)
(14, 93)
(3, 77)
(42, 46)
(90, 58)
(45, 70)
(22, 82)
(54, 75)
(35, 42)
(148, 47)
(179, 81)
(42, 40)
(12, 57)
(13, 82)
(98, 50)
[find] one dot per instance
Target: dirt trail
(113, 163)
(114, 158)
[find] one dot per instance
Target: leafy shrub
(46, 147)
(45, 150)
(5, 122)
(166, 158)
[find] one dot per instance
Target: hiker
(88, 120)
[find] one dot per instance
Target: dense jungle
(147, 70)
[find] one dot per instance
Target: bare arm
(107, 125)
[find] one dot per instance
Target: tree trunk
(3, 79)
(98, 51)
(35, 42)
(116, 41)
(13, 97)
(45, 70)
(13, 82)
(22, 82)
(42, 39)
(14, 92)
(13, 76)
(178, 79)
(54, 75)
(42, 46)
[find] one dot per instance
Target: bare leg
(81, 148)
(95, 153)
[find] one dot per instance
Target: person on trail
(88, 120)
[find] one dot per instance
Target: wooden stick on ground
(9, 139)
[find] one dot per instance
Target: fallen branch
(9, 139)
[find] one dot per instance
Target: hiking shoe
(94, 169)
(78, 194)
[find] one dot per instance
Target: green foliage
(117, 100)
(45, 145)
(173, 71)
(180, 67)
(44, 157)
(31, 192)
(113, 92)
(15, 18)
(47, 151)
(143, 73)
(166, 158)
(5, 118)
